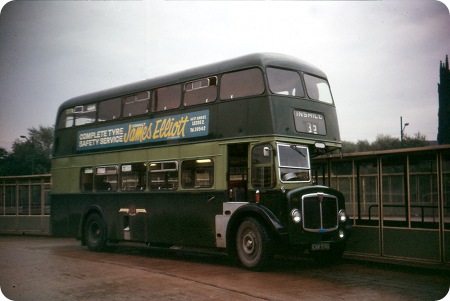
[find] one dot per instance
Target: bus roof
(251, 60)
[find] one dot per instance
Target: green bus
(215, 157)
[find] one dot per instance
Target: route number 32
(312, 128)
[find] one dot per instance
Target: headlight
(296, 216)
(342, 216)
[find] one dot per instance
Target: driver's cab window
(263, 175)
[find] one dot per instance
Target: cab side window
(263, 171)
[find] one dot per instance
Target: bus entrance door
(237, 171)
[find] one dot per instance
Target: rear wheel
(95, 232)
(253, 244)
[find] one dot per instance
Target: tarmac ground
(46, 268)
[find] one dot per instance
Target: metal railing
(25, 195)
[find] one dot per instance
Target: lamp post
(32, 155)
(402, 129)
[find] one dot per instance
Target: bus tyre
(253, 245)
(95, 233)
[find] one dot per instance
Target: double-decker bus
(215, 157)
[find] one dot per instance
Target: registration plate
(320, 247)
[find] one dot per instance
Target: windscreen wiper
(295, 147)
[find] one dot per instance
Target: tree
(417, 141)
(384, 142)
(30, 155)
(3, 153)
(363, 145)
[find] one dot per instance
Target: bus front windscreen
(293, 161)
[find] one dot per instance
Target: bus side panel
(197, 217)
(65, 216)
(246, 117)
(167, 218)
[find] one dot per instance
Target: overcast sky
(382, 58)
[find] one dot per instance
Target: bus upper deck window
(318, 88)
(136, 104)
(241, 83)
(109, 109)
(285, 82)
(85, 114)
(200, 91)
(167, 98)
(65, 119)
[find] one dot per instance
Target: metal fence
(398, 201)
(25, 204)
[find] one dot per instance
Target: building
(443, 136)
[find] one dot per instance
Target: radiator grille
(320, 212)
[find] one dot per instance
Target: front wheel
(95, 233)
(253, 245)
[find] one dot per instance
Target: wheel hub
(249, 243)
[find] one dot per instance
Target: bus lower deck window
(87, 179)
(197, 173)
(106, 178)
(163, 175)
(133, 177)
